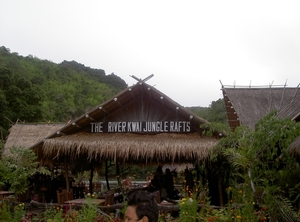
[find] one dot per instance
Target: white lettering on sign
(97, 127)
(157, 126)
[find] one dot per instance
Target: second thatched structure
(246, 105)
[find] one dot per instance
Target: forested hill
(35, 90)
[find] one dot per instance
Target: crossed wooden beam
(142, 80)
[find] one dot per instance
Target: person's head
(159, 169)
(141, 206)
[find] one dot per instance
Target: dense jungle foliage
(35, 90)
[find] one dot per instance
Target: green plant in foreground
(188, 209)
(19, 212)
(17, 166)
(4, 212)
(88, 212)
(13, 214)
(51, 214)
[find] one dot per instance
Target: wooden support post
(220, 191)
(106, 175)
(91, 179)
(67, 175)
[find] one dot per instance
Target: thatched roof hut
(27, 134)
(140, 124)
(245, 106)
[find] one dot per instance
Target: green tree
(17, 165)
(262, 170)
(34, 90)
(215, 113)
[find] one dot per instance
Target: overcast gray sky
(188, 45)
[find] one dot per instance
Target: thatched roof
(245, 106)
(27, 134)
(128, 147)
(140, 102)
(291, 111)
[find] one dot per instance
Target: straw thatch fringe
(164, 147)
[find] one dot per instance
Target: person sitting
(169, 183)
(158, 181)
(141, 206)
(189, 184)
(126, 183)
(148, 182)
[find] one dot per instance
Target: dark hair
(144, 203)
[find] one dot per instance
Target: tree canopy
(215, 113)
(35, 90)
